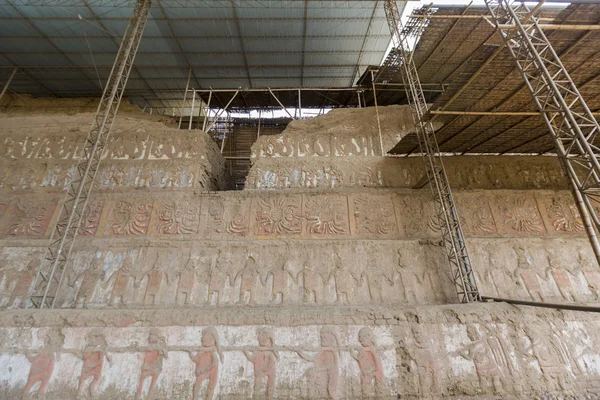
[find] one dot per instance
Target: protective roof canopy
(67, 47)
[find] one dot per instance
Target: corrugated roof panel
(274, 44)
(262, 58)
(331, 58)
(316, 72)
(204, 46)
(81, 45)
(339, 28)
(13, 26)
(158, 44)
(324, 44)
(216, 59)
(271, 28)
(8, 11)
(202, 11)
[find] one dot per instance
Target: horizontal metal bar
(573, 307)
(492, 113)
(204, 37)
(185, 67)
(74, 18)
(208, 52)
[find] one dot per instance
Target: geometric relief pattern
(564, 217)
(520, 215)
(177, 218)
(91, 218)
(278, 215)
(30, 218)
(326, 215)
(374, 215)
(228, 216)
(129, 218)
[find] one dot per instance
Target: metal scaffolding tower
(49, 277)
(572, 125)
(452, 234)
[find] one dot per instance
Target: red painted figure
(323, 376)
(264, 361)
(24, 281)
(152, 362)
(369, 362)
(121, 285)
(93, 361)
(42, 364)
(207, 362)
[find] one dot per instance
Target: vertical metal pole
(207, 110)
(299, 103)
(358, 95)
(8, 82)
(187, 86)
(192, 110)
(279, 102)
(49, 277)
(377, 113)
(258, 131)
(455, 245)
(570, 122)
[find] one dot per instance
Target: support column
(192, 110)
(453, 238)
(8, 82)
(207, 110)
(48, 280)
(377, 113)
(570, 122)
(187, 86)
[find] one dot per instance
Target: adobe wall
(307, 263)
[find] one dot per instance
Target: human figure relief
(489, 361)
(369, 363)
(207, 363)
(550, 355)
(89, 278)
(310, 280)
(559, 273)
(591, 273)
(323, 376)
(374, 277)
(346, 284)
(153, 283)
(423, 363)
(42, 364)
(121, 285)
(152, 357)
(281, 274)
(218, 276)
(248, 275)
(93, 357)
(24, 281)
(264, 361)
(526, 273)
(185, 283)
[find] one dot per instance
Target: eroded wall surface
(325, 280)
(484, 351)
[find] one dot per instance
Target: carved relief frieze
(374, 214)
(29, 218)
(129, 217)
(91, 217)
(227, 216)
(278, 215)
(177, 217)
(519, 214)
(326, 215)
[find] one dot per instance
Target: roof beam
(304, 28)
(207, 19)
(362, 47)
(29, 22)
(236, 20)
(177, 43)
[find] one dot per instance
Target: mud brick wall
(484, 351)
(352, 247)
(326, 281)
